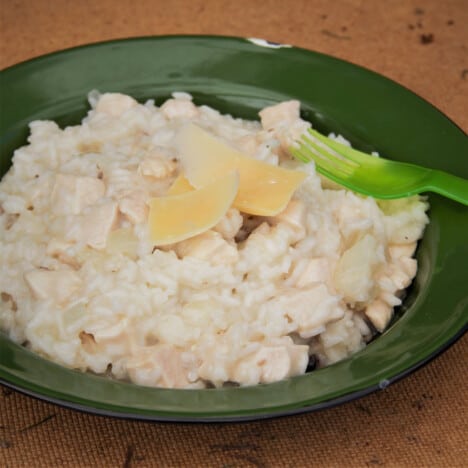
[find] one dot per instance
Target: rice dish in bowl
(253, 299)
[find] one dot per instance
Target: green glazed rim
(240, 76)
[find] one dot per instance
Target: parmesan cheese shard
(264, 189)
(180, 185)
(174, 218)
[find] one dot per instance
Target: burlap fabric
(419, 421)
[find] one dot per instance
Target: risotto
(250, 299)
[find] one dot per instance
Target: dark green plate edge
(259, 412)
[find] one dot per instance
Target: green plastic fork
(375, 176)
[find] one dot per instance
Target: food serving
(177, 247)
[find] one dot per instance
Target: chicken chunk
(294, 215)
(272, 363)
(283, 113)
(115, 104)
(158, 167)
(399, 276)
(134, 207)
(208, 246)
(284, 121)
(71, 194)
(93, 227)
(55, 285)
(179, 108)
(316, 271)
(160, 365)
(379, 313)
(354, 272)
(310, 309)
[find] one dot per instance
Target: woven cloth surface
(419, 421)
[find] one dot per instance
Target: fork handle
(450, 186)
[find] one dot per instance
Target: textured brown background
(420, 421)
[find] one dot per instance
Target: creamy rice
(253, 300)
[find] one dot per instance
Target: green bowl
(240, 76)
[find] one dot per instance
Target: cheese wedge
(264, 189)
(180, 185)
(174, 218)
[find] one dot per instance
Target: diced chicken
(283, 113)
(356, 218)
(271, 242)
(316, 271)
(208, 246)
(134, 207)
(271, 363)
(400, 278)
(160, 365)
(354, 273)
(158, 167)
(93, 227)
(71, 194)
(179, 108)
(294, 215)
(310, 309)
(55, 285)
(379, 313)
(230, 224)
(115, 104)
(299, 355)
(394, 278)
(340, 339)
(284, 119)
